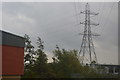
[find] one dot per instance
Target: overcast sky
(57, 23)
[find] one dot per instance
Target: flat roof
(10, 39)
(108, 65)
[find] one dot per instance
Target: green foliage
(29, 58)
(36, 65)
(65, 63)
(29, 51)
(40, 67)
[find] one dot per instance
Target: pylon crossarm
(89, 34)
(89, 24)
(91, 13)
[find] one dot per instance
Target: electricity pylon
(87, 46)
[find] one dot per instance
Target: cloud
(25, 19)
(56, 23)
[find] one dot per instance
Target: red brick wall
(12, 60)
(0, 59)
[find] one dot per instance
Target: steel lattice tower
(87, 46)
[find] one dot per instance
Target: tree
(66, 65)
(29, 51)
(36, 65)
(29, 57)
(40, 67)
(65, 62)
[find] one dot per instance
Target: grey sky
(56, 23)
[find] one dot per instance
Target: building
(12, 55)
(107, 69)
(111, 69)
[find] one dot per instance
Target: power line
(76, 11)
(101, 13)
(99, 7)
(106, 21)
(79, 7)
